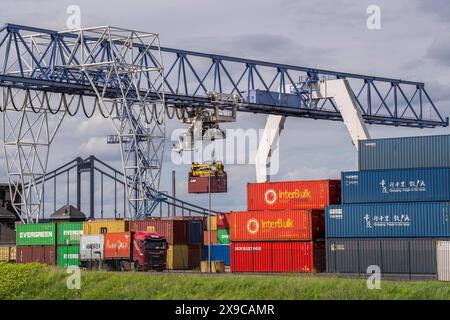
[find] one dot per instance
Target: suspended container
(407, 152)
(293, 195)
(398, 185)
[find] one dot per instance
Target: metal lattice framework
(119, 73)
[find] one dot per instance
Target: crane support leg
(341, 92)
(269, 138)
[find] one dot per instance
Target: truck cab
(149, 251)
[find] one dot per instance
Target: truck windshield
(155, 245)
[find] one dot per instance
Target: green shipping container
(38, 234)
(69, 232)
(68, 256)
(223, 236)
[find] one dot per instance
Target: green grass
(34, 281)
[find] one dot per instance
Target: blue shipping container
(398, 185)
(196, 232)
(409, 152)
(218, 252)
(419, 219)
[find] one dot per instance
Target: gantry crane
(48, 75)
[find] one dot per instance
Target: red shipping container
(288, 225)
(175, 231)
(223, 221)
(277, 256)
(213, 237)
(40, 254)
(117, 245)
(218, 184)
(314, 194)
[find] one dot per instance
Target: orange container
(118, 245)
(314, 194)
(280, 225)
(213, 237)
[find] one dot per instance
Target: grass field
(34, 281)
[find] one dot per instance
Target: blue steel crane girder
(54, 68)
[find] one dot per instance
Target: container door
(443, 260)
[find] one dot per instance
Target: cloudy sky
(413, 43)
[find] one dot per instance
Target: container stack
(394, 208)
(68, 243)
(283, 229)
(184, 236)
(7, 236)
(220, 239)
(36, 243)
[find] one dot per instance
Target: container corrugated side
(223, 221)
(407, 152)
(206, 237)
(39, 254)
(68, 256)
(118, 245)
(388, 220)
(92, 247)
(195, 256)
(7, 253)
(413, 256)
(280, 225)
(218, 252)
(223, 236)
(443, 260)
(398, 185)
(175, 231)
(69, 232)
(195, 231)
(7, 233)
(178, 257)
(105, 226)
(294, 195)
(292, 256)
(37, 234)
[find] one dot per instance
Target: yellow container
(8, 253)
(213, 223)
(91, 228)
(178, 257)
(217, 266)
(12, 254)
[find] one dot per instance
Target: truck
(135, 251)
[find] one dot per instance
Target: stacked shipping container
(184, 236)
(283, 231)
(220, 239)
(36, 243)
(68, 242)
(394, 209)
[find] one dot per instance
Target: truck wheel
(136, 266)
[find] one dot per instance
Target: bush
(16, 279)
